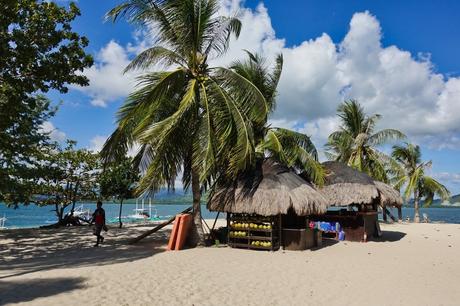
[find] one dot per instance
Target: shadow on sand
(389, 236)
(30, 250)
(30, 289)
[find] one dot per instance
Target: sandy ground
(413, 264)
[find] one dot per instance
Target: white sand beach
(413, 264)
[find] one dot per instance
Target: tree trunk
(196, 233)
(74, 200)
(61, 215)
(416, 207)
(119, 214)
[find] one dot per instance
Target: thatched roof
(388, 195)
(345, 186)
(272, 190)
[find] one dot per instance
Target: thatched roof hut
(345, 186)
(388, 195)
(272, 190)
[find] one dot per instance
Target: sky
(397, 58)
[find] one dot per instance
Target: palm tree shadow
(36, 288)
(33, 250)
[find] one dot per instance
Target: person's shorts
(97, 229)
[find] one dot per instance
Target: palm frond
(383, 136)
(249, 98)
(155, 55)
(432, 187)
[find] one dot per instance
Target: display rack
(253, 231)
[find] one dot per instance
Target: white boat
(142, 212)
(82, 213)
(2, 222)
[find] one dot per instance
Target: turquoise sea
(34, 216)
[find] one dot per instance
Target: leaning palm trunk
(416, 208)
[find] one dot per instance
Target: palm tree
(291, 148)
(185, 118)
(412, 175)
(356, 141)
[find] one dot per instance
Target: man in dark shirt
(99, 223)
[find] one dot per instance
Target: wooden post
(384, 212)
(228, 229)
(280, 238)
(400, 214)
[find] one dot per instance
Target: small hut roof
(345, 186)
(388, 195)
(270, 191)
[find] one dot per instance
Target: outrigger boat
(142, 212)
(82, 213)
(2, 222)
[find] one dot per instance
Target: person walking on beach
(99, 223)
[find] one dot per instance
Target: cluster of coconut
(251, 225)
(266, 244)
(237, 234)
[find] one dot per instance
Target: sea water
(34, 216)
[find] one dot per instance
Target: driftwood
(157, 228)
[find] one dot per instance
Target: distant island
(453, 201)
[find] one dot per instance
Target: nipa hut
(345, 186)
(262, 205)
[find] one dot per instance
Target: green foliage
(356, 141)
(411, 175)
(118, 180)
(39, 51)
(21, 152)
(185, 118)
(291, 148)
(65, 176)
(59, 176)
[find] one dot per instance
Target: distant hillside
(453, 199)
(169, 197)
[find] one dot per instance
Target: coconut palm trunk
(197, 233)
(416, 207)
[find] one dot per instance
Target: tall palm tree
(185, 117)
(289, 147)
(356, 141)
(412, 175)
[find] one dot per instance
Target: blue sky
(398, 58)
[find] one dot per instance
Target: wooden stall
(254, 231)
(276, 200)
(357, 226)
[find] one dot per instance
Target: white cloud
(319, 73)
(107, 81)
(54, 133)
(447, 176)
(97, 142)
